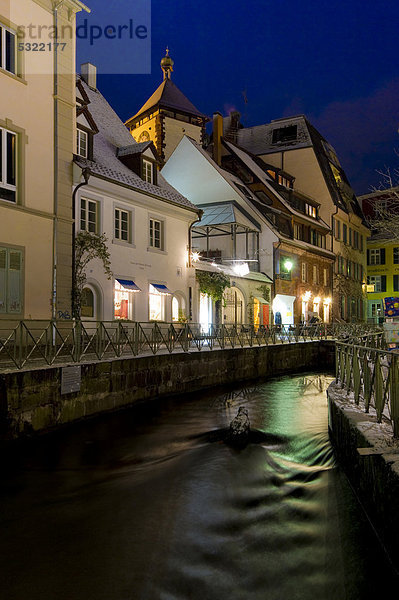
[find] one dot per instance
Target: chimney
(217, 136)
(89, 75)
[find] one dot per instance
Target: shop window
(123, 298)
(8, 165)
(157, 304)
(11, 278)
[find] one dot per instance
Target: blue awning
(129, 285)
(162, 289)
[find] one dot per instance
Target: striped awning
(128, 285)
(162, 289)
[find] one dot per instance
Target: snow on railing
(372, 375)
(30, 344)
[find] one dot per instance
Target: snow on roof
(113, 135)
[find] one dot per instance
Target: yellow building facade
(37, 133)
(382, 275)
(167, 116)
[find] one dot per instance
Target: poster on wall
(391, 307)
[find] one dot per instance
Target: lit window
(11, 261)
(8, 50)
(156, 236)
(310, 210)
(379, 282)
(156, 304)
(81, 143)
(147, 171)
(8, 165)
(122, 225)
(315, 274)
(123, 299)
(325, 277)
(89, 215)
(175, 309)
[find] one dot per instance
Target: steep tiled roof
(113, 137)
(168, 95)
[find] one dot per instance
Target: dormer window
(310, 210)
(82, 143)
(284, 134)
(148, 171)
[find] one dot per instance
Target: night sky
(335, 62)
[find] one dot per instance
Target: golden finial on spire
(167, 65)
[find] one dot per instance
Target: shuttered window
(10, 281)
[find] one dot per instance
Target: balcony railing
(33, 344)
(372, 375)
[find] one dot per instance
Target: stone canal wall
(38, 400)
(370, 457)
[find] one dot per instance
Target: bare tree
(384, 219)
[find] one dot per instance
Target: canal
(150, 504)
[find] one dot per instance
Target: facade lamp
(306, 296)
(327, 300)
(288, 264)
(241, 269)
(195, 256)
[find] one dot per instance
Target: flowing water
(150, 504)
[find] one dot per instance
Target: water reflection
(146, 505)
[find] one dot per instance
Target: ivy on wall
(87, 247)
(212, 284)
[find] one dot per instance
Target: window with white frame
(8, 49)
(157, 302)
(8, 165)
(82, 143)
(11, 278)
(148, 171)
(156, 234)
(89, 217)
(379, 282)
(122, 220)
(375, 257)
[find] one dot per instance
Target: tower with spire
(167, 116)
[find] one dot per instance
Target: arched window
(233, 311)
(175, 309)
(87, 304)
(178, 308)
